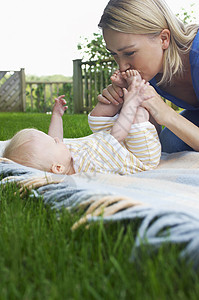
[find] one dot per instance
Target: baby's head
(34, 148)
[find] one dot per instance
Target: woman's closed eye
(129, 53)
(112, 53)
(125, 54)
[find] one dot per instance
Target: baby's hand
(60, 105)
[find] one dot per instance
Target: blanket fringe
(36, 182)
(106, 206)
(6, 160)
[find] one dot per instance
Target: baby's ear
(58, 169)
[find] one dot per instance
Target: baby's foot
(136, 95)
(130, 74)
(118, 79)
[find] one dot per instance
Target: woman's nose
(124, 65)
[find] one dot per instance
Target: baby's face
(52, 150)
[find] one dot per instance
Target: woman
(145, 35)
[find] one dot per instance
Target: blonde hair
(21, 149)
(150, 17)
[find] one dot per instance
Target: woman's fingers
(111, 95)
(102, 99)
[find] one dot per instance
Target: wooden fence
(12, 90)
(40, 95)
(89, 79)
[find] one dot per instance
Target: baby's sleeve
(101, 123)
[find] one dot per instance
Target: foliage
(187, 16)
(94, 49)
(43, 96)
(48, 78)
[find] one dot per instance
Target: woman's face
(143, 53)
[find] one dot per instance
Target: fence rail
(40, 95)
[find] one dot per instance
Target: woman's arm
(180, 126)
(105, 110)
(184, 129)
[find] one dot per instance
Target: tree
(94, 49)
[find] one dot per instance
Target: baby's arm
(56, 123)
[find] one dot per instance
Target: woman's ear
(58, 169)
(165, 38)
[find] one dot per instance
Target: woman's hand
(112, 94)
(157, 108)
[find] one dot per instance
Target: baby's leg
(138, 87)
(141, 116)
(118, 79)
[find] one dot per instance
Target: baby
(122, 143)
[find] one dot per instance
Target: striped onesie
(101, 152)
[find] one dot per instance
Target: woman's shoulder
(194, 62)
(194, 52)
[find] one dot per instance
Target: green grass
(10, 123)
(41, 258)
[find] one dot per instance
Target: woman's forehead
(120, 41)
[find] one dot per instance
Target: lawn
(41, 258)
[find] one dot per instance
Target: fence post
(77, 86)
(23, 89)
